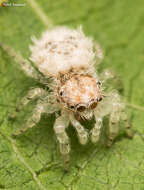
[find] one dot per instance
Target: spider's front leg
(127, 125)
(108, 76)
(60, 125)
(34, 119)
(113, 126)
(116, 107)
(32, 94)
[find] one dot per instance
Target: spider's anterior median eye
(61, 93)
(93, 105)
(81, 108)
(72, 107)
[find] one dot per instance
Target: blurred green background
(32, 161)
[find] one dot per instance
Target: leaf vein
(34, 176)
(47, 22)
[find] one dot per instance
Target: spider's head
(81, 93)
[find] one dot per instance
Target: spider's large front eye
(61, 93)
(81, 108)
(93, 105)
(72, 107)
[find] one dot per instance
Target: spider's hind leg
(23, 63)
(98, 52)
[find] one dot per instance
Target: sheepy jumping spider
(67, 58)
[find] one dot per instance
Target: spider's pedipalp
(82, 133)
(95, 132)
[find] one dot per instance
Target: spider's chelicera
(67, 61)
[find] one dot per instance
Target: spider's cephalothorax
(80, 94)
(70, 59)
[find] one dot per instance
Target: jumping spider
(65, 62)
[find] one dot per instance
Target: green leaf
(32, 161)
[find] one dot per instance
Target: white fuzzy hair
(60, 49)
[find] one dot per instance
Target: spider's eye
(81, 108)
(99, 83)
(99, 99)
(93, 105)
(61, 93)
(72, 107)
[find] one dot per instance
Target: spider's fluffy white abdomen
(61, 49)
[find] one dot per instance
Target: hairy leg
(60, 125)
(32, 94)
(33, 120)
(106, 75)
(111, 105)
(127, 125)
(99, 53)
(109, 77)
(115, 113)
(23, 63)
(95, 132)
(82, 133)
(113, 126)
